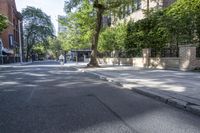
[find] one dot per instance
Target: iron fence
(8, 59)
(165, 52)
(154, 53)
(104, 54)
(198, 52)
(121, 54)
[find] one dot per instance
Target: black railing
(170, 52)
(8, 59)
(165, 52)
(104, 54)
(154, 53)
(198, 52)
(121, 54)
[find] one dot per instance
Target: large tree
(100, 7)
(113, 38)
(37, 27)
(3, 22)
(184, 21)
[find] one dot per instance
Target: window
(11, 40)
(138, 4)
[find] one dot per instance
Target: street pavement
(45, 97)
(12, 65)
(181, 89)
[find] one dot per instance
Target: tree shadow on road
(55, 100)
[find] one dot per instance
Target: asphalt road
(47, 98)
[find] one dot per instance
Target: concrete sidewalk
(180, 89)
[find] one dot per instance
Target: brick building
(11, 35)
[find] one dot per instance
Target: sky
(52, 8)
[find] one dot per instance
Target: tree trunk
(27, 53)
(93, 59)
(27, 47)
(148, 8)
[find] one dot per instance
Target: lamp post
(20, 41)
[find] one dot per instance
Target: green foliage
(113, 38)
(71, 5)
(80, 26)
(3, 23)
(98, 9)
(71, 40)
(184, 19)
(40, 50)
(55, 47)
(37, 27)
(150, 32)
(81, 21)
(107, 40)
(175, 25)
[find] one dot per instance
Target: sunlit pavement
(181, 89)
(45, 97)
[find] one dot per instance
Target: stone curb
(184, 105)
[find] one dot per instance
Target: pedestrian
(61, 59)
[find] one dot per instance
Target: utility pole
(20, 41)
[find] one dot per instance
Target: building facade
(12, 35)
(135, 11)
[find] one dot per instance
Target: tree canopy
(169, 27)
(37, 27)
(175, 25)
(185, 21)
(113, 38)
(80, 25)
(98, 8)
